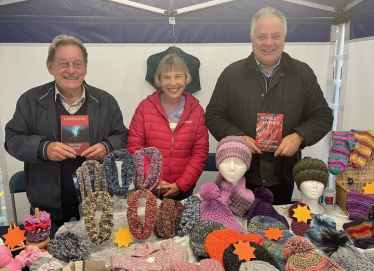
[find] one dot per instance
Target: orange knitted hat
(217, 241)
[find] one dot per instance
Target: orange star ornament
(273, 233)
(244, 251)
(14, 237)
(368, 188)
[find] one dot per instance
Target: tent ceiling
(108, 21)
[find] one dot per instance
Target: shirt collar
(264, 69)
(57, 92)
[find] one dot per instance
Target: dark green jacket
(240, 93)
(34, 122)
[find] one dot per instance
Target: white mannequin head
(310, 193)
(232, 169)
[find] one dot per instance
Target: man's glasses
(63, 64)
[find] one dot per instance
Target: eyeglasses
(63, 64)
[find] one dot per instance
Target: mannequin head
(232, 169)
(312, 189)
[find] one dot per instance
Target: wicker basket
(359, 176)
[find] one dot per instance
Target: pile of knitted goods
(37, 228)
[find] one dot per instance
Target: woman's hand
(172, 190)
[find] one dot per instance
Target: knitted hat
(259, 224)
(301, 255)
(190, 215)
(241, 198)
(257, 266)
(262, 206)
(360, 232)
(231, 260)
(358, 205)
(310, 169)
(217, 241)
(214, 205)
(205, 265)
(337, 246)
(318, 224)
(298, 228)
(198, 235)
(45, 263)
(233, 146)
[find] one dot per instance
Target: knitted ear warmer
(190, 216)
(360, 233)
(358, 205)
(68, 247)
(168, 217)
(198, 235)
(28, 256)
(298, 228)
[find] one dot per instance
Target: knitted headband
(190, 216)
(168, 217)
(233, 146)
(310, 169)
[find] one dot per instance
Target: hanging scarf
(139, 229)
(111, 171)
(155, 170)
(83, 177)
(89, 207)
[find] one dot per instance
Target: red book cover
(75, 132)
(269, 131)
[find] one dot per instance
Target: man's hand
(172, 190)
(96, 152)
(57, 151)
(251, 144)
(289, 145)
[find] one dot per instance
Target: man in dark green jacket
(270, 81)
(33, 134)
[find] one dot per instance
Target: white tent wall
(120, 69)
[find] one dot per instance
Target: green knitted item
(310, 169)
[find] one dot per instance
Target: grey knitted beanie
(257, 266)
(198, 235)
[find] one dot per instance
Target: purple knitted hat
(358, 205)
(264, 208)
(298, 228)
(214, 205)
(233, 146)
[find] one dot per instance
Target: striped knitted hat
(310, 169)
(358, 205)
(233, 146)
(301, 255)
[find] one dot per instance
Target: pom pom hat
(233, 146)
(310, 169)
(301, 255)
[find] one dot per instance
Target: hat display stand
(43, 243)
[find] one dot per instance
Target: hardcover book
(75, 132)
(269, 131)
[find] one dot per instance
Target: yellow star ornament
(302, 213)
(368, 188)
(244, 251)
(123, 237)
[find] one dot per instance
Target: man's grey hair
(66, 40)
(268, 11)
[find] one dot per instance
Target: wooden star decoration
(244, 251)
(301, 213)
(368, 188)
(123, 237)
(15, 237)
(273, 233)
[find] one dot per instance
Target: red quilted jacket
(184, 152)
